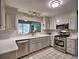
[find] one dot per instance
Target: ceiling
(41, 6)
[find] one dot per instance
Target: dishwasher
(23, 48)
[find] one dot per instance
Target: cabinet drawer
(70, 41)
(33, 41)
(70, 45)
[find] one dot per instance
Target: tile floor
(49, 53)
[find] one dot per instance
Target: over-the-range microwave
(62, 26)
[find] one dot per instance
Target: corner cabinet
(10, 18)
(2, 14)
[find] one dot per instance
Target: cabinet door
(71, 46)
(33, 47)
(10, 16)
(52, 40)
(2, 14)
(45, 42)
(10, 55)
(62, 20)
(73, 21)
(73, 24)
(10, 22)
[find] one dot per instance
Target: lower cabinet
(52, 40)
(39, 43)
(31, 45)
(72, 46)
(10, 55)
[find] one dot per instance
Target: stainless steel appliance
(62, 26)
(23, 46)
(60, 42)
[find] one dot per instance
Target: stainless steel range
(60, 41)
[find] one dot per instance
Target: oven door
(59, 43)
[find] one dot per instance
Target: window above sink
(28, 26)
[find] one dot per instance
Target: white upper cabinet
(61, 20)
(2, 14)
(58, 21)
(70, 19)
(73, 21)
(7, 17)
(10, 18)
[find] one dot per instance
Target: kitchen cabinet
(72, 46)
(58, 20)
(46, 41)
(70, 18)
(2, 14)
(10, 18)
(23, 48)
(62, 20)
(39, 43)
(28, 46)
(33, 45)
(10, 55)
(52, 40)
(73, 21)
(43, 42)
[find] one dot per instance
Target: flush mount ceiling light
(34, 13)
(54, 3)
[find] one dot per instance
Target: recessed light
(58, 21)
(54, 3)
